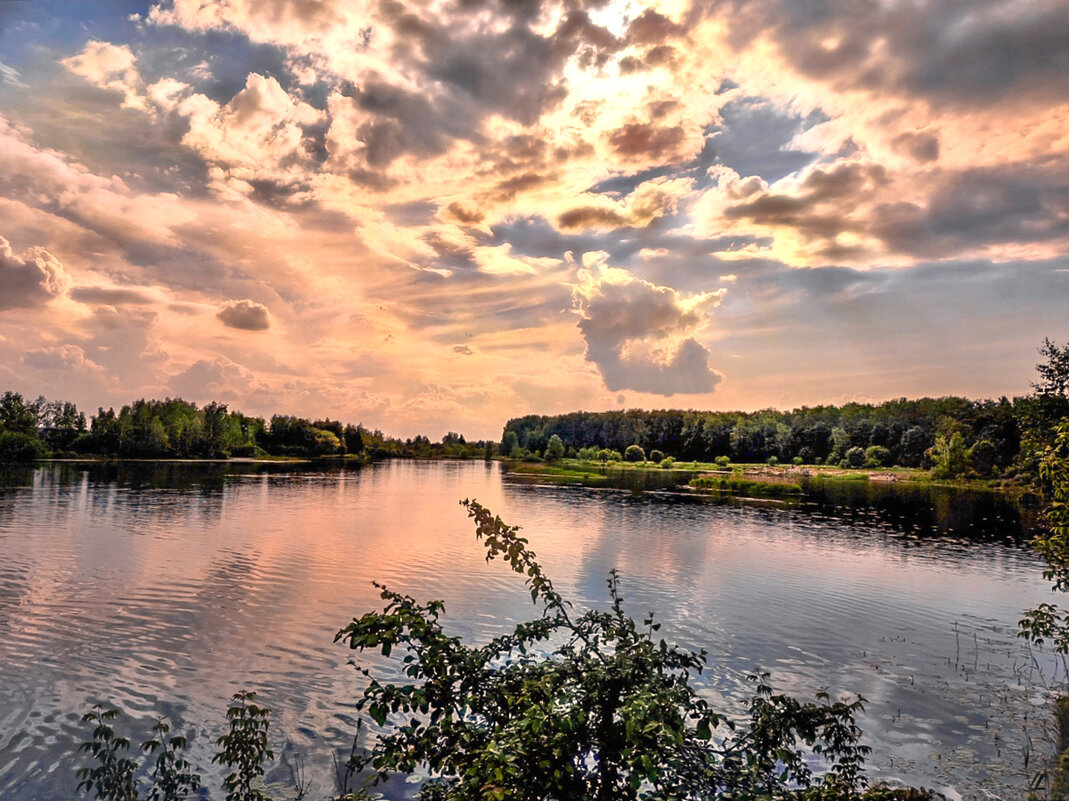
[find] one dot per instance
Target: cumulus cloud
(640, 335)
(950, 53)
(57, 357)
(215, 379)
(856, 210)
(248, 315)
(111, 67)
(31, 279)
(650, 200)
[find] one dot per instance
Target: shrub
(18, 447)
(584, 707)
(569, 706)
(634, 453)
(773, 461)
(656, 456)
(855, 457)
(554, 449)
(667, 462)
(723, 461)
(878, 456)
(982, 456)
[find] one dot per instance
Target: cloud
(855, 210)
(647, 141)
(57, 357)
(111, 296)
(215, 379)
(954, 54)
(591, 217)
(29, 280)
(650, 200)
(921, 146)
(12, 76)
(111, 67)
(248, 315)
(463, 350)
(640, 335)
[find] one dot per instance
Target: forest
(177, 429)
(952, 435)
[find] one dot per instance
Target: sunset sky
(437, 215)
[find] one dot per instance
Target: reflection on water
(167, 587)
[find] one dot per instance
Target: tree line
(952, 435)
(177, 429)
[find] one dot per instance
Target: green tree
(16, 415)
(1054, 372)
(1047, 621)
(634, 453)
(855, 457)
(510, 443)
(949, 456)
(354, 439)
(982, 457)
(586, 706)
(554, 449)
(878, 456)
(16, 447)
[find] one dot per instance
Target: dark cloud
(467, 73)
(110, 296)
(822, 209)
(464, 215)
(965, 209)
(591, 217)
(509, 188)
(247, 315)
(959, 53)
(623, 324)
(451, 254)
(463, 350)
(980, 206)
(922, 146)
(29, 280)
(405, 121)
(652, 28)
(647, 140)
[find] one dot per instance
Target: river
(165, 588)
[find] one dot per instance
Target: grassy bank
(577, 469)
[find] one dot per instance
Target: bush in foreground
(569, 706)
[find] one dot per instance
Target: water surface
(166, 588)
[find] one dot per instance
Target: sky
(432, 215)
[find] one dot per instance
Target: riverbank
(597, 472)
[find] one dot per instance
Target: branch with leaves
(586, 707)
